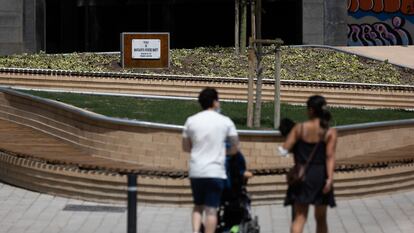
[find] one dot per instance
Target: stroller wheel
(251, 226)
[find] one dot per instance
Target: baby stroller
(235, 215)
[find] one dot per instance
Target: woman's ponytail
(325, 118)
(318, 104)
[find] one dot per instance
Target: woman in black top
(317, 188)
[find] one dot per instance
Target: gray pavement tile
(76, 221)
(109, 222)
(33, 212)
(5, 192)
(364, 216)
(391, 207)
(30, 212)
(12, 217)
(120, 226)
(92, 222)
(5, 227)
(32, 195)
(349, 219)
(18, 193)
(52, 228)
(47, 214)
(88, 227)
(24, 223)
(27, 201)
(384, 221)
(37, 227)
(405, 206)
(281, 229)
(60, 220)
(372, 229)
(409, 196)
(17, 228)
(59, 201)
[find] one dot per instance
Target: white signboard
(146, 49)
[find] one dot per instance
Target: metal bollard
(132, 204)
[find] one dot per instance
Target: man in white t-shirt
(204, 136)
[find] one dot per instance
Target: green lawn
(176, 111)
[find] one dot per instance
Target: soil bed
(314, 64)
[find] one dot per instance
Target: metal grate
(95, 208)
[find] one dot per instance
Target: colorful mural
(380, 22)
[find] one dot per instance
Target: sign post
(132, 203)
(145, 50)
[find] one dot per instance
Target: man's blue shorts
(207, 191)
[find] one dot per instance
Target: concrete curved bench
(49, 132)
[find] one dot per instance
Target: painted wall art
(380, 22)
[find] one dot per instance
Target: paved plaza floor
(23, 211)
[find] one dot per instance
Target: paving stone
(37, 227)
(109, 222)
(92, 222)
(52, 228)
(5, 227)
(47, 214)
(405, 205)
(403, 222)
(60, 220)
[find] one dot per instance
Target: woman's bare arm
(332, 138)
(292, 137)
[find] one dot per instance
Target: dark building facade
(59, 26)
(88, 25)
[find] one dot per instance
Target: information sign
(146, 49)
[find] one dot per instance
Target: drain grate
(95, 208)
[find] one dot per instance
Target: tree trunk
(236, 26)
(243, 27)
(276, 121)
(253, 18)
(252, 73)
(259, 19)
(259, 74)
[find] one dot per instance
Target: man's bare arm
(234, 145)
(186, 144)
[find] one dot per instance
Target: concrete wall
(34, 28)
(324, 22)
(22, 27)
(11, 26)
(313, 21)
(335, 32)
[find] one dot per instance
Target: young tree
(237, 26)
(243, 26)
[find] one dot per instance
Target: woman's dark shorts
(207, 191)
